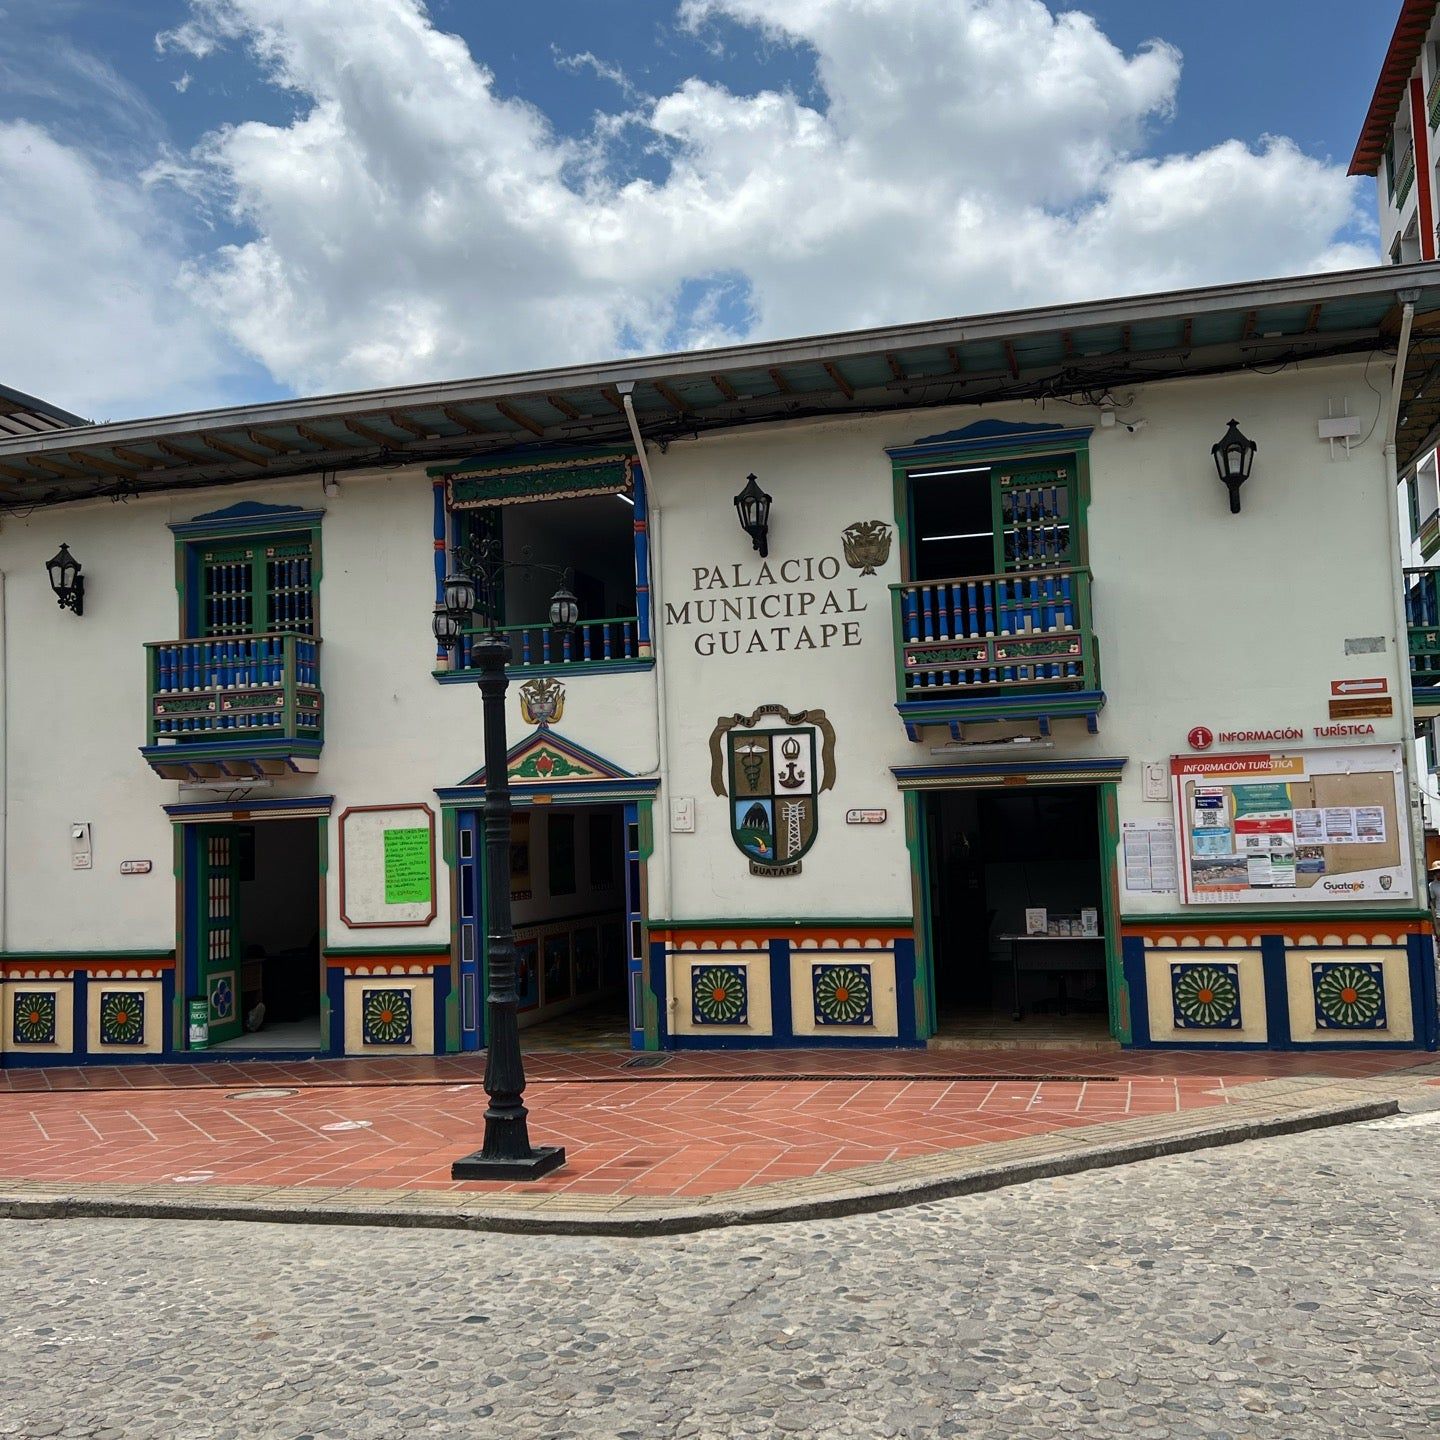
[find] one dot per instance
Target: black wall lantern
(752, 505)
(1234, 455)
(66, 580)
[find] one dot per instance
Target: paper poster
(1148, 851)
(1291, 827)
(407, 867)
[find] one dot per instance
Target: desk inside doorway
(1060, 955)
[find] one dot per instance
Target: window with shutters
(239, 692)
(993, 612)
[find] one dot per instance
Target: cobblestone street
(1281, 1288)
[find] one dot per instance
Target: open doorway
(1002, 968)
(570, 886)
(260, 963)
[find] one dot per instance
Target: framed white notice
(387, 866)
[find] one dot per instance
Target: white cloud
(971, 154)
(412, 222)
(93, 317)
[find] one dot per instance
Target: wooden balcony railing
(592, 642)
(1403, 179)
(235, 688)
(995, 635)
(1422, 621)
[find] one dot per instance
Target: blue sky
(634, 174)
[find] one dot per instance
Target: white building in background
(1399, 144)
(1010, 720)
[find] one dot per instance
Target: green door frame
(918, 836)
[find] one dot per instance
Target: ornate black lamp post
(507, 1153)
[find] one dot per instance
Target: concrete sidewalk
(645, 1157)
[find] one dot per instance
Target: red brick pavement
(674, 1138)
(698, 1125)
(592, 1066)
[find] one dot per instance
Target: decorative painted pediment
(988, 430)
(247, 515)
(544, 758)
(247, 510)
(991, 437)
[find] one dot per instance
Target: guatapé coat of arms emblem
(773, 765)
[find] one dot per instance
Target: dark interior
(993, 854)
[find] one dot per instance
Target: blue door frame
(471, 924)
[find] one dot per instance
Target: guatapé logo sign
(757, 610)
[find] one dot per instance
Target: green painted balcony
(996, 648)
(1422, 622)
(234, 707)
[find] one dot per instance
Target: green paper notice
(407, 867)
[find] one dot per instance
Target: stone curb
(664, 1217)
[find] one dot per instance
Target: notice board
(387, 866)
(1299, 827)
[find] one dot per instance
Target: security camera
(1135, 426)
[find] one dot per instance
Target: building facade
(1010, 721)
(1398, 139)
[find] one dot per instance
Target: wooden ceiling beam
(560, 403)
(15, 474)
(134, 457)
(65, 472)
(106, 466)
(176, 453)
(523, 420)
(1187, 331)
(781, 383)
(1312, 324)
(612, 398)
(953, 356)
(238, 452)
(458, 417)
(724, 387)
(324, 441)
(403, 422)
(1248, 329)
(896, 371)
(357, 427)
(841, 383)
(278, 446)
(1011, 361)
(669, 396)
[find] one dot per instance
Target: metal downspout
(662, 713)
(1397, 596)
(4, 774)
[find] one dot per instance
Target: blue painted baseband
(1279, 1037)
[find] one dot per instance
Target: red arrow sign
(1377, 686)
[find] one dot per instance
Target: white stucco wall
(77, 704)
(1203, 617)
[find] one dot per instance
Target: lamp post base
(541, 1161)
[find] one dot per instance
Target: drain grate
(645, 1062)
(265, 1094)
